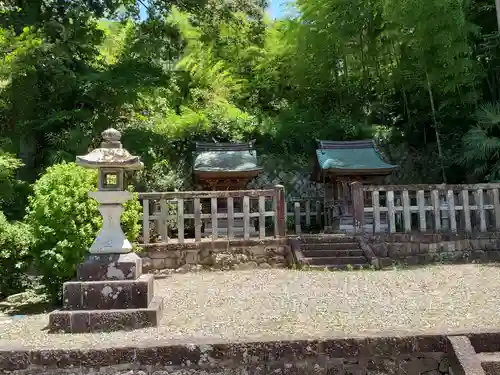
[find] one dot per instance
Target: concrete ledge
(490, 363)
(464, 360)
(221, 353)
(425, 353)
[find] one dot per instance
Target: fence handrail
(441, 187)
(303, 199)
(437, 207)
(208, 194)
(177, 207)
(433, 204)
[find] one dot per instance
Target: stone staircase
(334, 252)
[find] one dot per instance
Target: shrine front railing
(305, 214)
(426, 208)
(213, 215)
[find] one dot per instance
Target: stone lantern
(113, 164)
(110, 293)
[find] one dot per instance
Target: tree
(482, 144)
(434, 53)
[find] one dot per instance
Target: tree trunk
(497, 7)
(27, 154)
(407, 106)
(436, 128)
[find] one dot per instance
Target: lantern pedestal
(110, 294)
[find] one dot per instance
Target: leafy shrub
(13, 192)
(15, 242)
(161, 176)
(65, 222)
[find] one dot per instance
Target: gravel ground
(248, 305)
(4, 319)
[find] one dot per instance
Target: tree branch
(144, 5)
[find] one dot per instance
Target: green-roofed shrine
(339, 163)
(224, 166)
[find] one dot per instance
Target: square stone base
(108, 295)
(86, 321)
(99, 267)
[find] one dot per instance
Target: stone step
(340, 267)
(355, 260)
(328, 238)
(330, 246)
(333, 253)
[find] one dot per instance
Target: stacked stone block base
(426, 248)
(110, 294)
(220, 254)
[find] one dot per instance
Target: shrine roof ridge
(348, 157)
(224, 146)
(328, 145)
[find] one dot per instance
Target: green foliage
(65, 222)
(218, 69)
(15, 243)
(13, 192)
(482, 144)
(130, 217)
(160, 176)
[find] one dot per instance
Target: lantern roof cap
(111, 154)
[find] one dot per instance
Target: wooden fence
(305, 214)
(427, 208)
(180, 216)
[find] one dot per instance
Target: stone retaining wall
(424, 248)
(388, 355)
(218, 255)
(386, 249)
(411, 355)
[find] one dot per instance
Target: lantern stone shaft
(112, 162)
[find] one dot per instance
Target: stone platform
(110, 294)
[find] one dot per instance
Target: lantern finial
(111, 138)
